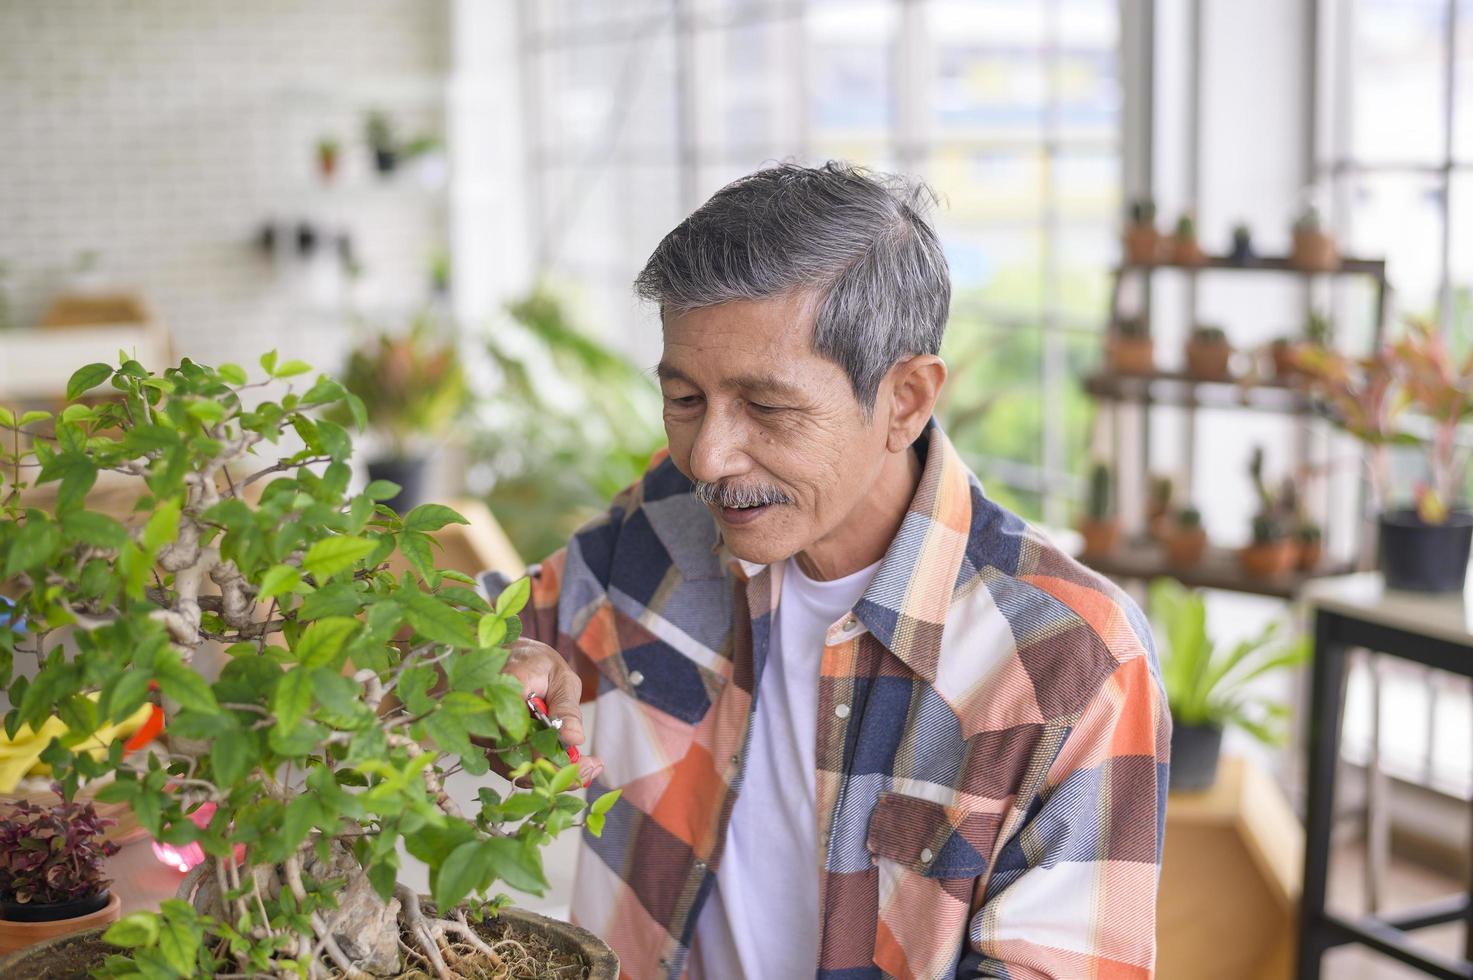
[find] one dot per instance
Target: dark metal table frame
(1336, 634)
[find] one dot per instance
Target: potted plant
(1158, 507)
(327, 157)
(379, 133)
(348, 693)
(1270, 552)
(1309, 539)
(1208, 353)
(1100, 526)
(1130, 349)
(1209, 688)
(1285, 351)
(1143, 244)
(1314, 248)
(1185, 250)
(1423, 547)
(1186, 542)
(412, 387)
(1241, 251)
(51, 871)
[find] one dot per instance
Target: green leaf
(431, 517)
(462, 872)
(323, 640)
(7, 417)
(293, 697)
(33, 416)
(605, 803)
(93, 528)
(163, 527)
(291, 369)
(124, 696)
(329, 556)
(268, 362)
(233, 373)
(434, 620)
(517, 863)
(230, 755)
(382, 490)
(595, 824)
(133, 931)
(84, 379)
(566, 778)
(490, 630)
(180, 682)
(34, 544)
(514, 597)
(279, 580)
(179, 945)
(416, 547)
(207, 411)
(505, 695)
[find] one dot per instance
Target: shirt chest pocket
(929, 839)
(659, 676)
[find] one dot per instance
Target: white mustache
(731, 495)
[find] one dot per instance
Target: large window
(1395, 149)
(1009, 108)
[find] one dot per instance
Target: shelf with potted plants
(1216, 375)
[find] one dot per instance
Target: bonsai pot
(1422, 557)
(1099, 536)
(1142, 244)
(23, 925)
(1314, 251)
(1209, 359)
(1195, 750)
(1184, 548)
(1132, 355)
(408, 472)
(1268, 559)
(74, 956)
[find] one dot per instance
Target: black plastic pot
(1195, 750)
(53, 911)
(385, 160)
(1421, 557)
(408, 472)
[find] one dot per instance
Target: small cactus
(1267, 529)
(1189, 518)
(1206, 333)
(1132, 328)
(1186, 227)
(1142, 211)
(1100, 503)
(1317, 329)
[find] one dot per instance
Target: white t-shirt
(761, 919)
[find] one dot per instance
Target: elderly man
(866, 721)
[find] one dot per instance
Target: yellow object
(21, 756)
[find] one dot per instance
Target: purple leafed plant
(51, 854)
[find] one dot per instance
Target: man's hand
(543, 671)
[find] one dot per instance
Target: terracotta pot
(75, 955)
(1184, 548)
(1143, 245)
(1314, 251)
(1186, 251)
(1209, 360)
(1283, 353)
(1308, 555)
(18, 935)
(1100, 536)
(1268, 560)
(1132, 355)
(1161, 527)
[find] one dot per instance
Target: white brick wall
(162, 133)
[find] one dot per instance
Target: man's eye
(764, 409)
(685, 401)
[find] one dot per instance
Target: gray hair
(858, 239)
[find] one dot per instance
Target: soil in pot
(530, 947)
(1195, 751)
(1421, 557)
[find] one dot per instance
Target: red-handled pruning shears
(538, 707)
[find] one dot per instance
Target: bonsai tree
(412, 387)
(348, 694)
(52, 855)
(1209, 688)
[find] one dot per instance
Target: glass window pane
(993, 402)
(995, 269)
(1460, 263)
(1400, 216)
(1399, 64)
(988, 188)
(607, 99)
(851, 69)
(1084, 258)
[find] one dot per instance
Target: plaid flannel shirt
(992, 738)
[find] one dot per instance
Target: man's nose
(719, 450)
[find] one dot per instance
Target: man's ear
(914, 385)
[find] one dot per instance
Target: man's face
(751, 409)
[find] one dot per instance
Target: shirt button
(841, 711)
(850, 623)
(636, 678)
(700, 865)
(926, 855)
(736, 760)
